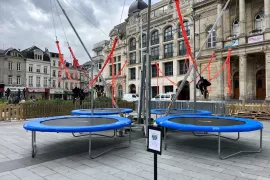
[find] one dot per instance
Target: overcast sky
(24, 23)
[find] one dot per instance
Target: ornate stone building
(244, 28)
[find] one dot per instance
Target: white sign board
(154, 140)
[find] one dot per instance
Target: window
(53, 84)
(119, 58)
(38, 68)
(66, 85)
(10, 65)
(54, 63)
(154, 38)
(236, 28)
(143, 40)
(30, 81)
(120, 91)
(168, 35)
(132, 73)
(110, 70)
(18, 66)
(212, 38)
(30, 67)
(259, 19)
(132, 58)
(71, 85)
(182, 48)
(155, 53)
(155, 91)
(168, 50)
(154, 71)
(59, 74)
(54, 73)
(118, 67)
(45, 70)
(168, 68)
(45, 81)
(183, 67)
(99, 65)
(10, 80)
(168, 89)
(38, 82)
(187, 28)
(59, 84)
(132, 44)
(18, 80)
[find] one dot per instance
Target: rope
(60, 21)
(229, 76)
(228, 58)
(62, 60)
(87, 18)
(105, 62)
(122, 11)
(53, 20)
(118, 74)
(177, 3)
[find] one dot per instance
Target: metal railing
(219, 108)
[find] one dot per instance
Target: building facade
(167, 48)
(245, 28)
(98, 58)
(12, 71)
(37, 72)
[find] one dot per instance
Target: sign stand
(154, 144)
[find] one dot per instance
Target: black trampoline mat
(102, 110)
(175, 111)
(207, 121)
(79, 122)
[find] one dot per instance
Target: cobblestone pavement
(63, 157)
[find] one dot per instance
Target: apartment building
(12, 71)
(37, 72)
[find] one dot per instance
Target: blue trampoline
(77, 124)
(175, 111)
(101, 111)
(211, 124)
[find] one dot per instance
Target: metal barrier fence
(220, 108)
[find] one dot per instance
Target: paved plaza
(63, 157)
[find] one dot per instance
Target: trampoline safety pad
(73, 124)
(101, 111)
(209, 123)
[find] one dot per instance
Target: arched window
(187, 28)
(143, 40)
(259, 18)
(168, 35)
(235, 28)
(212, 38)
(120, 91)
(154, 38)
(132, 44)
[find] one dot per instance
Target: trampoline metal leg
(34, 145)
(206, 134)
(165, 143)
(98, 155)
(226, 157)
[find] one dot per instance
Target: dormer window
(38, 56)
